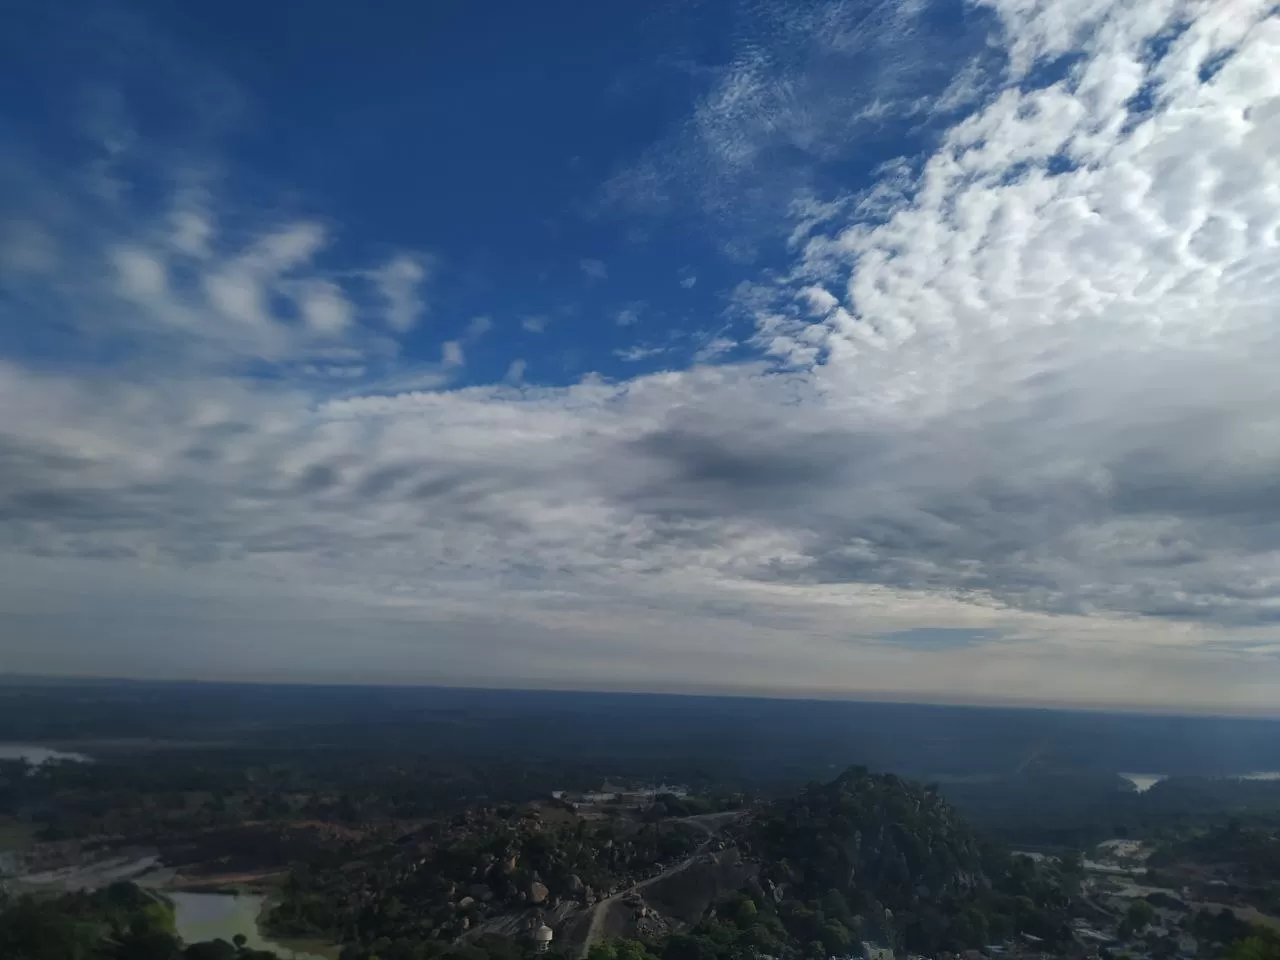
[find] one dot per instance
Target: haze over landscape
(919, 350)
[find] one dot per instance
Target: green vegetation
(620, 949)
(483, 948)
(1241, 860)
(1048, 809)
(876, 857)
(864, 857)
(403, 857)
(1263, 945)
(440, 881)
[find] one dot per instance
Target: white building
(542, 937)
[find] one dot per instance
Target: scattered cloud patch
(594, 269)
(714, 349)
(477, 327)
(1020, 389)
(803, 91)
(451, 354)
(326, 310)
(629, 315)
(399, 282)
(335, 371)
(636, 353)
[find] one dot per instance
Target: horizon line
(808, 695)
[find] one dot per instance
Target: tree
(835, 937)
(210, 950)
(150, 945)
(1263, 946)
(682, 946)
(630, 950)
(835, 906)
(1140, 915)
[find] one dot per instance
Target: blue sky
(594, 183)
(916, 349)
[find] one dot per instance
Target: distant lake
(220, 916)
(1143, 782)
(37, 755)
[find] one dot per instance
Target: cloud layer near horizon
(1024, 388)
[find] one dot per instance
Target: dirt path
(600, 910)
(709, 823)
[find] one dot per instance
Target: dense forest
(1042, 808)
(771, 743)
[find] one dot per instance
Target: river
(1143, 782)
(220, 916)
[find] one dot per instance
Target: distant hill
(877, 857)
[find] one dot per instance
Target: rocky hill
(875, 857)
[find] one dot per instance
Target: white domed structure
(542, 937)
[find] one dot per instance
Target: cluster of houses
(611, 794)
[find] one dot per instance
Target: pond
(220, 916)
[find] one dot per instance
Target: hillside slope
(876, 857)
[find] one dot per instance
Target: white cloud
(714, 349)
(192, 232)
(326, 310)
(238, 295)
(628, 315)
(688, 280)
(140, 275)
(594, 269)
(802, 91)
(637, 352)
(399, 282)
(451, 354)
(285, 249)
(335, 370)
(534, 324)
(477, 327)
(1026, 389)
